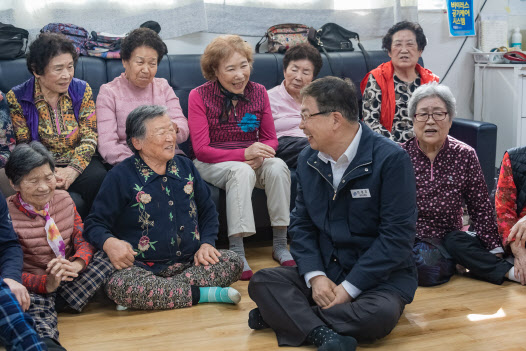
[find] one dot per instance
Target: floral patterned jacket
(165, 218)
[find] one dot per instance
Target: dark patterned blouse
(372, 105)
(444, 185)
(165, 218)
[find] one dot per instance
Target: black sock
(327, 339)
(196, 295)
(53, 345)
(255, 320)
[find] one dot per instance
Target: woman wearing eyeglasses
(388, 87)
(448, 174)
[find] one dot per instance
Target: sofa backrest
(183, 72)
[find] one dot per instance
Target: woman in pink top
(301, 64)
(234, 141)
(141, 51)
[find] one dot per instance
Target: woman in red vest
(387, 88)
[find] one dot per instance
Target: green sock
(221, 295)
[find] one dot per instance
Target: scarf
(54, 239)
(227, 102)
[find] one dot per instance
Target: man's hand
(119, 252)
(20, 293)
(259, 150)
(520, 261)
(255, 163)
(65, 177)
(342, 296)
(518, 231)
(322, 290)
(207, 254)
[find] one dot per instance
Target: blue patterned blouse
(165, 218)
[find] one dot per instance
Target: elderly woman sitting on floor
(60, 269)
(510, 205)
(448, 174)
(155, 219)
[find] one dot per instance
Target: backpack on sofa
(333, 38)
(283, 36)
(78, 35)
(13, 41)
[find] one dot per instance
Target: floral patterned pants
(136, 287)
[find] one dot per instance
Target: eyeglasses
(305, 115)
(437, 116)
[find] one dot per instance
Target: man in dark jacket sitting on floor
(352, 232)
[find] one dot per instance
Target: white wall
(439, 53)
(442, 49)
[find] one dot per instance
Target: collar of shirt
(39, 96)
(147, 175)
(338, 167)
(416, 146)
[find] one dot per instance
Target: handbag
(283, 36)
(104, 45)
(334, 38)
(13, 41)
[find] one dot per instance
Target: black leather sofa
(183, 73)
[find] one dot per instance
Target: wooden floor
(464, 314)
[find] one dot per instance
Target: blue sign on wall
(461, 18)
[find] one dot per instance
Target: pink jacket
(117, 99)
(286, 112)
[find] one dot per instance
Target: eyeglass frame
(314, 115)
(432, 114)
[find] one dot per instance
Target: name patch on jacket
(360, 193)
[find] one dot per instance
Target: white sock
(511, 275)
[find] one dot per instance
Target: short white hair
(433, 89)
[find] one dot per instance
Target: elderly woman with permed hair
(387, 88)
(155, 219)
(448, 174)
(141, 51)
(58, 110)
(234, 141)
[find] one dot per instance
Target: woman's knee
(234, 262)
(457, 241)
(242, 172)
(277, 168)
